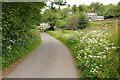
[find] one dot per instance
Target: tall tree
(111, 11)
(81, 8)
(98, 7)
(72, 22)
(49, 16)
(74, 8)
(83, 20)
(59, 3)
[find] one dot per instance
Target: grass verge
(94, 49)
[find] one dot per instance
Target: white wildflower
(104, 56)
(9, 47)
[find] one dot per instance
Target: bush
(61, 23)
(83, 20)
(19, 48)
(77, 21)
(72, 22)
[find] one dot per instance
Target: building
(70, 13)
(100, 17)
(94, 17)
(44, 25)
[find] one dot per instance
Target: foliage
(20, 48)
(98, 7)
(94, 51)
(54, 3)
(83, 20)
(62, 14)
(53, 17)
(74, 8)
(81, 8)
(61, 23)
(61, 19)
(56, 16)
(111, 11)
(49, 17)
(105, 10)
(72, 22)
(18, 22)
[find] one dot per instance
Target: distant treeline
(59, 16)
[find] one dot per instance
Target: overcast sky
(87, 2)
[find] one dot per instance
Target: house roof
(70, 13)
(100, 16)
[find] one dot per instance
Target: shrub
(17, 49)
(83, 20)
(72, 22)
(61, 23)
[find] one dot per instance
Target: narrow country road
(51, 60)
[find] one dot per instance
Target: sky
(87, 2)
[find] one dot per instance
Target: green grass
(21, 49)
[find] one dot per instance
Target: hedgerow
(19, 35)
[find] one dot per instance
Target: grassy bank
(20, 48)
(94, 48)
